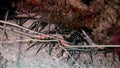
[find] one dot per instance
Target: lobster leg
(37, 43)
(51, 47)
(42, 46)
(71, 53)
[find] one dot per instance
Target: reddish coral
(115, 39)
(117, 51)
(34, 2)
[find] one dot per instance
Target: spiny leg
(6, 36)
(42, 46)
(22, 21)
(32, 26)
(62, 52)
(51, 47)
(91, 57)
(78, 54)
(37, 43)
(43, 25)
(71, 53)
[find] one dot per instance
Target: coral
(115, 39)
